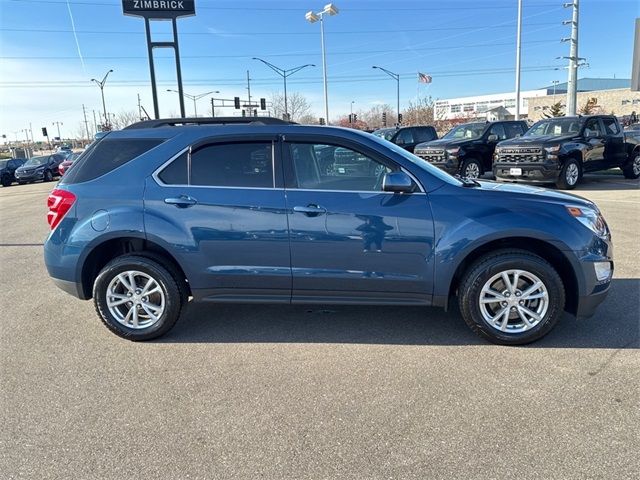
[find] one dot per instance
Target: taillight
(59, 203)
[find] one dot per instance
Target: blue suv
(261, 210)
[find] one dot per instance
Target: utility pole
(139, 108)
(249, 87)
(518, 55)
(26, 133)
(572, 82)
(31, 130)
(58, 125)
(86, 123)
(213, 108)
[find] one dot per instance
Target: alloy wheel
(135, 299)
(572, 173)
(472, 171)
(514, 301)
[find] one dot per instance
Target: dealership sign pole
(161, 10)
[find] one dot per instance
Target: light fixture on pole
(396, 77)
(101, 85)
(329, 9)
(555, 84)
(195, 98)
(284, 74)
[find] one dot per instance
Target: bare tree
(420, 112)
(124, 119)
(373, 116)
(309, 119)
(297, 105)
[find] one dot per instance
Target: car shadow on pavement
(615, 324)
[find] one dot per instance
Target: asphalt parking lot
(309, 392)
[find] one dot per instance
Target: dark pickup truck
(559, 150)
(467, 149)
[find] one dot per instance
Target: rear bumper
(71, 288)
(531, 172)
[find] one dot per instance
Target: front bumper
(29, 177)
(592, 291)
(531, 172)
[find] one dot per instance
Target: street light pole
(284, 74)
(101, 85)
(573, 61)
(395, 76)
(311, 17)
(518, 55)
(195, 98)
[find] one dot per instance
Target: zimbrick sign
(159, 9)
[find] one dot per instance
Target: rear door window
(610, 126)
(243, 165)
(513, 129)
(423, 134)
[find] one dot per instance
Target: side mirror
(399, 141)
(397, 182)
(492, 138)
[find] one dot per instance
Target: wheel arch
(110, 248)
(543, 249)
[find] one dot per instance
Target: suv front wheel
(137, 298)
(511, 297)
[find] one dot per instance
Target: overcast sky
(468, 47)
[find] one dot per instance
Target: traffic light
(384, 119)
(236, 103)
(263, 104)
(399, 118)
(355, 117)
(44, 132)
(255, 112)
(350, 118)
(322, 121)
(244, 113)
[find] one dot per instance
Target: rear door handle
(182, 201)
(310, 210)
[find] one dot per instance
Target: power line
(296, 9)
(344, 32)
(270, 81)
(294, 54)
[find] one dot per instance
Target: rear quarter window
(107, 155)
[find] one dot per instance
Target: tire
(486, 318)
(570, 175)
(165, 303)
(632, 169)
(48, 176)
(6, 181)
(471, 168)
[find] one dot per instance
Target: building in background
(534, 103)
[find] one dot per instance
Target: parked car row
(555, 150)
(41, 168)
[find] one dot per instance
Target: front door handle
(310, 210)
(182, 201)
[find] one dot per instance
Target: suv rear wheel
(511, 297)
(137, 298)
(632, 169)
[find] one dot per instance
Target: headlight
(553, 150)
(453, 151)
(590, 218)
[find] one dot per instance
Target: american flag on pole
(424, 78)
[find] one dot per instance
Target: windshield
(36, 161)
(418, 162)
(466, 131)
(386, 133)
(556, 127)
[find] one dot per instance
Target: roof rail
(172, 122)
